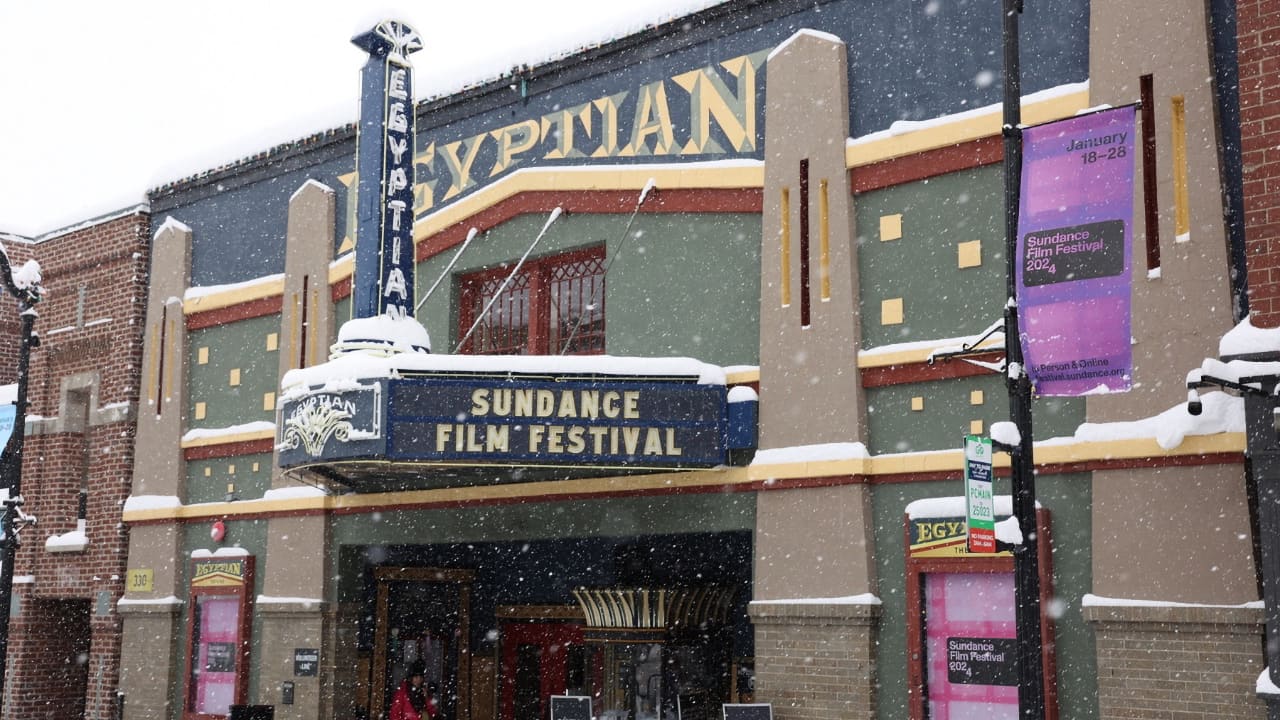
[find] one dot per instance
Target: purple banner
(1074, 253)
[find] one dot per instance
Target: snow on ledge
(167, 600)
(202, 553)
(903, 127)
(294, 493)
(1091, 600)
(953, 506)
(1222, 413)
(804, 32)
(360, 366)
(306, 602)
(251, 427)
(194, 293)
(863, 599)
(74, 541)
(135, 503)
(23, 579)
(311, 182)
(811, 453)
(1246, 339)
(1264, 686)
(171, 223)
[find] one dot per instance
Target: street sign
(980, 514)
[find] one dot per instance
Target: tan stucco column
(810, 543)
(148, 664)
(293, 608)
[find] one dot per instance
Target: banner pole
(1026, 559)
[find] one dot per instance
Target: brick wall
(814, 661)
(1258, 28)
(52, 638)
(1189, 663)
(90, 324)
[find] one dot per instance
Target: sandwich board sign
(570, 707)
(980, 514)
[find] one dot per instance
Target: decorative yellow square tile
(976, 397)
(269, 401)
(891, 311)
(235, 377)
(208, 472)
(255, 467)
(202, 356)
(231, 488)
(917, 403)
(231, 469)
(273, 341)
(975, 427)
(200, 410)
(969, 253)
(890, 227)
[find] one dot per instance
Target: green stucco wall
(680, 284)
(250, 483)
(237, 345)
(940, 300)
(948, 409)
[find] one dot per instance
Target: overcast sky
(100, 101)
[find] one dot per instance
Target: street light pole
(11, 459)
(1026, 556)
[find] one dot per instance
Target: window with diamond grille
(553, 306)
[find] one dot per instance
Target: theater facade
(677, 441)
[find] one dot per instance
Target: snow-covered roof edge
(132, 209)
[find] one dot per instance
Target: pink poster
(971, 671)
(215, 667)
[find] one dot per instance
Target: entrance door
(539, 659)
(424, 616)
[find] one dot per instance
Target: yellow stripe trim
(1181, 199)
(945, 461)
(229, 439)
(248, 292)
(945, 134)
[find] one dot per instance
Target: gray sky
(102, 101)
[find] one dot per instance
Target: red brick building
(64, 651)
(1258, 27)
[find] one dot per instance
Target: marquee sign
(468, 421)
(384, 163)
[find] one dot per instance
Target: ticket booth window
(218, 633)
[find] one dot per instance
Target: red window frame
(221, 586)
(526, 319)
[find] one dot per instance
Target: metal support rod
(1026, 558)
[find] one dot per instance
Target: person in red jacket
(413, 701)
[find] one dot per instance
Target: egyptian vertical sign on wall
(384, 164)
(1074, 253)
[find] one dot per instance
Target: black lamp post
(1026, 557)
(11, 460)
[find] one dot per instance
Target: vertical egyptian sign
(979, 502)
(383, 283)
(1074, 253)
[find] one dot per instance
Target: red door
(539, 659)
